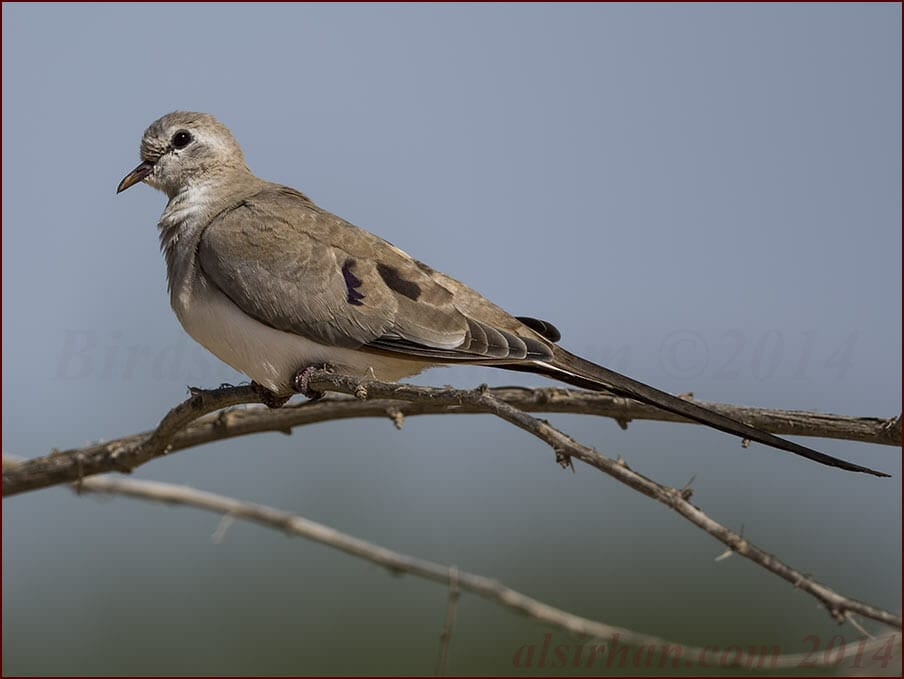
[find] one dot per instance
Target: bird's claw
(269, 398)
(302, 380)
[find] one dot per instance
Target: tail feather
(572, 369)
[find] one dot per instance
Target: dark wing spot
(545, 328)
(391, 277)
(352, 283)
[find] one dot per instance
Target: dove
(277, 287)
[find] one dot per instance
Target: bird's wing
(289, 264)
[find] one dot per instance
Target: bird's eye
(181, 139)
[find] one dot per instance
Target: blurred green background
(704, 197)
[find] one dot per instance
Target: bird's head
(183, 148)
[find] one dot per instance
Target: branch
(174, 433)
(566, 448)
(129, 452)
(124, 454)
(456, 579)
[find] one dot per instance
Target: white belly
(268, 356)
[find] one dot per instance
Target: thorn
(724, 555)
(115, 454)
(686, 491)
(397, 417)
(563, 459)
(741, 547)
(623, 424)
(225, 524)
(851, 619)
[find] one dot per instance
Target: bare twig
(487, 588)
(128, 452)
(445, 639)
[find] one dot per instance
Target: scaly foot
(302, 379)
(269, 398)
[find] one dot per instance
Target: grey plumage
(271, 283)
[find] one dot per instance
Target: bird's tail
(572, 369)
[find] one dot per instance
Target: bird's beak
(135, 176)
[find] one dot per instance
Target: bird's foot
(269, 398)
(198, 391)
(303, 377)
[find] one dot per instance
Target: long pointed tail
(572, 369)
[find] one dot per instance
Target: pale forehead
(164, 126)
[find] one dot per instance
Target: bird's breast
(269, 356)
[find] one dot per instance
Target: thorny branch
(185, 425)
(566, 448)
(396, 401)
(457, 580)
